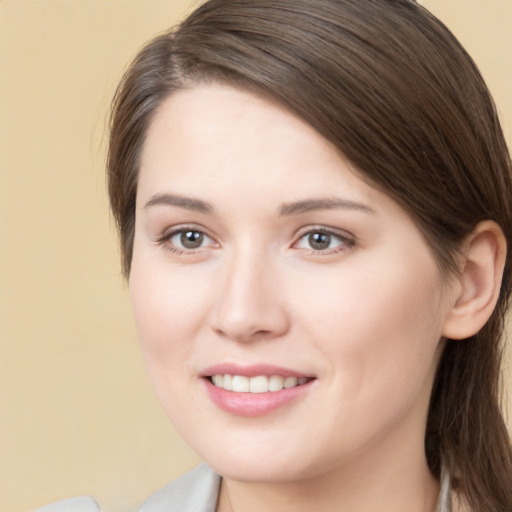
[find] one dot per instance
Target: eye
(322, 240)
(186, 240)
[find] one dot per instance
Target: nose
(250, 305)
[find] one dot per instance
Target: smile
(255, 390)
(258, 384)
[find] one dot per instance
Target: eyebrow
(188, 203)
(309, 205)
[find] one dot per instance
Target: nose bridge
(249, 305)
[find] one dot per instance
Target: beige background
(77, 414)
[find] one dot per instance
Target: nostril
(244, 335)
(248, 308)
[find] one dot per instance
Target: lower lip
(254, 404)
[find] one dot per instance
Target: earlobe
(479, 282)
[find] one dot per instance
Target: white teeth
(275, 383)
(228, 382)
(240, 384)
(260, 384)
(290, 382)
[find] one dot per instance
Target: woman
(314, 203)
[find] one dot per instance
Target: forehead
(211, 136)
(206, 113)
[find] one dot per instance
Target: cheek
(169, 307)
(379, 329)
(169, 310)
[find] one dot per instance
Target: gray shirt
(195, 491)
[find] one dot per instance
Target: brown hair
(395, 92)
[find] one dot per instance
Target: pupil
(319, 240)
(192, 239)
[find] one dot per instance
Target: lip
(254, 370)
(253, 404)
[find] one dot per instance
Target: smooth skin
(257, 243)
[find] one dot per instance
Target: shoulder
(78, 504)
(196, 491)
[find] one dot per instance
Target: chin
(260, 466)
(262, 472)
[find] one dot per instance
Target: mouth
(254, 390)
(257, 384)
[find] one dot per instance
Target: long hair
(394, 91)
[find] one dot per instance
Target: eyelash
(165, 239)
(345, 241)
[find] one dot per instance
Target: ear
(478, 286)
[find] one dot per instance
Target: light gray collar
(444, 501)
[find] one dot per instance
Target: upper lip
(254, 370)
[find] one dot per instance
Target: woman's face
(259, 254)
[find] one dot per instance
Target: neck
(403, 492)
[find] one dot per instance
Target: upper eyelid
(341, 233)
(173, 230)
